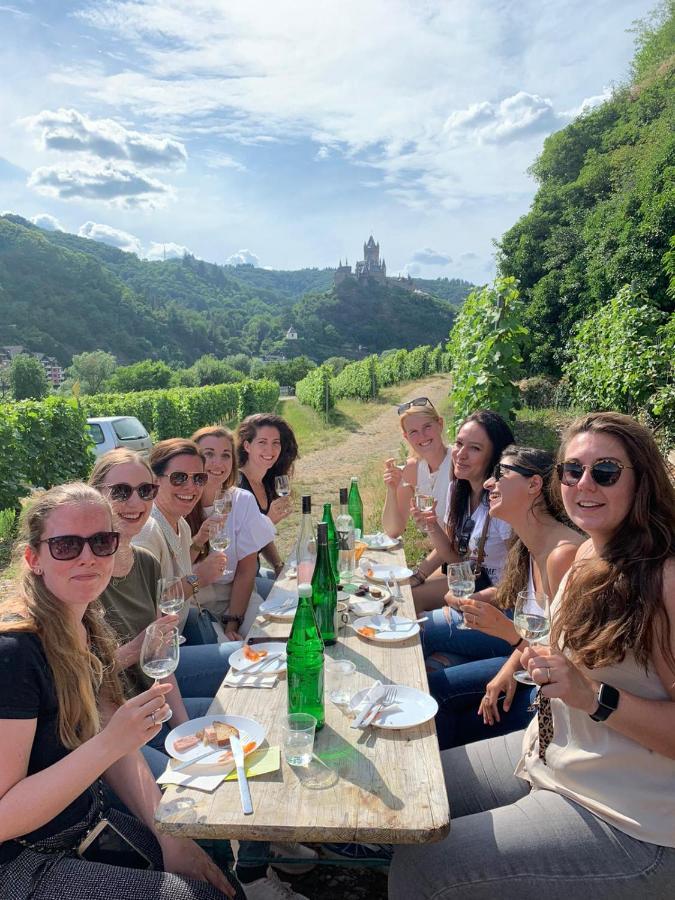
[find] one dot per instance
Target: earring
(37, 571)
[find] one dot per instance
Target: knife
(244, 791)
(253, 666)
(195, 759)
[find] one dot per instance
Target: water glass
(462, 583)
(340, 680)
(298, 738)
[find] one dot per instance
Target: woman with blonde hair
(427, 471)
(65, 725)
(591, 805)
(232, 599)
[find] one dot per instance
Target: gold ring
(548, 675)
(152, 716)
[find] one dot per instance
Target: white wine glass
(425, 503)
(222, 505)
(532, 621)
(171, 598)
(282, 486)
(219, 539)
(160, 655)
(462, 583)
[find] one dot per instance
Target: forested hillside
(63, 294)
(604, 213)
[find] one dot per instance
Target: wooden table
(371, 786)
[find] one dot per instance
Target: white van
(109, 432)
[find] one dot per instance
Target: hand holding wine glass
(160, 655)
(462, 583)
(425, 503)
(282, 486)
(532, 621)
(222, 505)
(219, 540)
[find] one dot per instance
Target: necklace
(124, 557)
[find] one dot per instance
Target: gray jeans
(512, 843)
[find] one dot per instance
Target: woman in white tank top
(591, 806)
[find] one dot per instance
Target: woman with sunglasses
(266, 447)
(232, 599)
(427, 471)
(591, 806)
(178, 466)
(524, 493)
(66, 728)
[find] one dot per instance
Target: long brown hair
(196, 516)
(517, 567)
(81, 674)
(614, 603)
(247, 430)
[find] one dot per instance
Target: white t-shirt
(497, 543)
(248, 528)
(436, 483)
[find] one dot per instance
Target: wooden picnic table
(371, 786)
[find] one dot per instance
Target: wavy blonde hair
(81, 675)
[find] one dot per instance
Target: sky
(284, 132)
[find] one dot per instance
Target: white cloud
(121, 185)
(589, 103)
(69, 131)
(106, 234)
(242, 258)
(322, 153)
(429, 257)
(158, 251)
(216, 160)
(49, 223)
(513, 118)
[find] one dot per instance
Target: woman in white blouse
(232, 598)
(590, 809)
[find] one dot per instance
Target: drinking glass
(222, 505)
(340, 678)
(171, 598)
(298, 738)
(282, 486)
(160, 654)
(219, 539)
(532, 621)
(462, 583)
(424, 502)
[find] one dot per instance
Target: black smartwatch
(608, 701)
(226, 619)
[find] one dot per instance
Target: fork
(387, 700)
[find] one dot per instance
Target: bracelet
(198, 547)
(517, 643)
(225, 618)
(419, 575)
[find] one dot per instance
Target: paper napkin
(246, 680)
(373, 696)
(260, 762)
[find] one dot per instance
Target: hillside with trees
(604, 213)
(64, 295)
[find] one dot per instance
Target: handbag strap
(480, 550)
(43, 846)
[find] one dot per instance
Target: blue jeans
(456, 645)
(264, 583)
(202, 668)
(458, 691)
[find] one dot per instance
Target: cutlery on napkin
(372, 698)
(259, 664)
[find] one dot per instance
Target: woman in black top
(64, 724)
(266, 447)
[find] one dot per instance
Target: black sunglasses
(122, 492)
(521, 470)
(604, 472)
(177, 478)
(465, 536)
(418, 401)
(69, 546)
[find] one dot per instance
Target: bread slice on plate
(224, 733)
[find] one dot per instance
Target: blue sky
(284, 132)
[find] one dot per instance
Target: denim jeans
(456, 645)
(509, 842)
(202, 668)
(458, 691)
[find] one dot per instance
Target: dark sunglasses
(177, 478)
(69, 546)
(465, 536)
(604, 472)
(521, 470)
(122, 492)
(418, 401)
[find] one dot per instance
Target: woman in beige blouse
(590, 810)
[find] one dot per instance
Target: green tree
(141, 376)
(27, 378)
(92, 370)
(209, 370)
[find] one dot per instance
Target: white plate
(384, 573)
(403, 629)
(239, 661)
(380, 541)
(249, 730)
(416, 707)
(271, 608)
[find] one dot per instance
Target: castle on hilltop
(368, 267)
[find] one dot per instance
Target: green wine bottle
(304, 660)
(356, 507)
(333, 548)
(324, 588)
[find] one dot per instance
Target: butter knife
(244, 791)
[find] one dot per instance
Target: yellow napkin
(266, 759)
